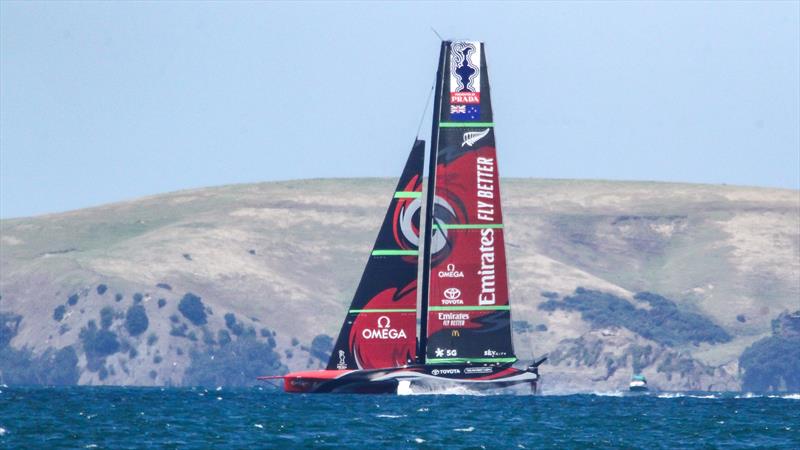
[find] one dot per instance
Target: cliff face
(218, 285)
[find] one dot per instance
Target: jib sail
(468, 315)
(380, 328)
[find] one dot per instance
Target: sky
(102, 102)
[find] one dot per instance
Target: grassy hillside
(105, 295)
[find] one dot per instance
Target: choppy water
(98, 417)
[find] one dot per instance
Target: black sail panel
(468, 317)
(380, 328)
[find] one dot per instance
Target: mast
(422, 340)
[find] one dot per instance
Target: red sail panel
(468, 318)
(384, 334)
(470, 269)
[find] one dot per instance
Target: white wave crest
(440, 390)
(609, 394)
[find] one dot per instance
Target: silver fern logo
(471, 137)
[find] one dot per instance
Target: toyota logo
(452, 293)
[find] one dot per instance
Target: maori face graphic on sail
(448, 209)
(406, 219)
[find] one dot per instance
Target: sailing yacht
(459, 332)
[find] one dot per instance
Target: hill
(217, 285)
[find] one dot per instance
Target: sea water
(118, 417)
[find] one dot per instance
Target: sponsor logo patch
(465, 113)
(453, 319)
(478, 370)
(384, 330)
(442, 352)
(471, 137)
(487, 272)
(436, 372)
(465, 97)
(452, 296)
(465, 72)
(451, 272)
(342, 364)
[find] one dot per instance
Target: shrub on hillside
(321, 347)
(663, 322)
(230, 322)
(236, 364)
(179, 330)
(521, 326)
(772, 364)
(72, 300)
(101, 289)
(191, 306)
(136, 321)
(97, 344)
(9, 326)
(106, 317)
(223, 337)
(52, 368)
(162, 303)
(58, 313)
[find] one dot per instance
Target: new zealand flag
(465, 113)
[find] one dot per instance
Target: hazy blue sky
(107, 101)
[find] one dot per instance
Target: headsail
(380, 328)
(468, 314)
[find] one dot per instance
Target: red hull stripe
(317, 374)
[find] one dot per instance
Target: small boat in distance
(448, 325)
(638, 383)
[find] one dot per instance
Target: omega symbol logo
(383, 322)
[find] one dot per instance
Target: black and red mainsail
(465, 286)
(380, 328)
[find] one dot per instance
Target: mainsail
(466, 310)
(380, 328)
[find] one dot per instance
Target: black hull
(424, 377)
